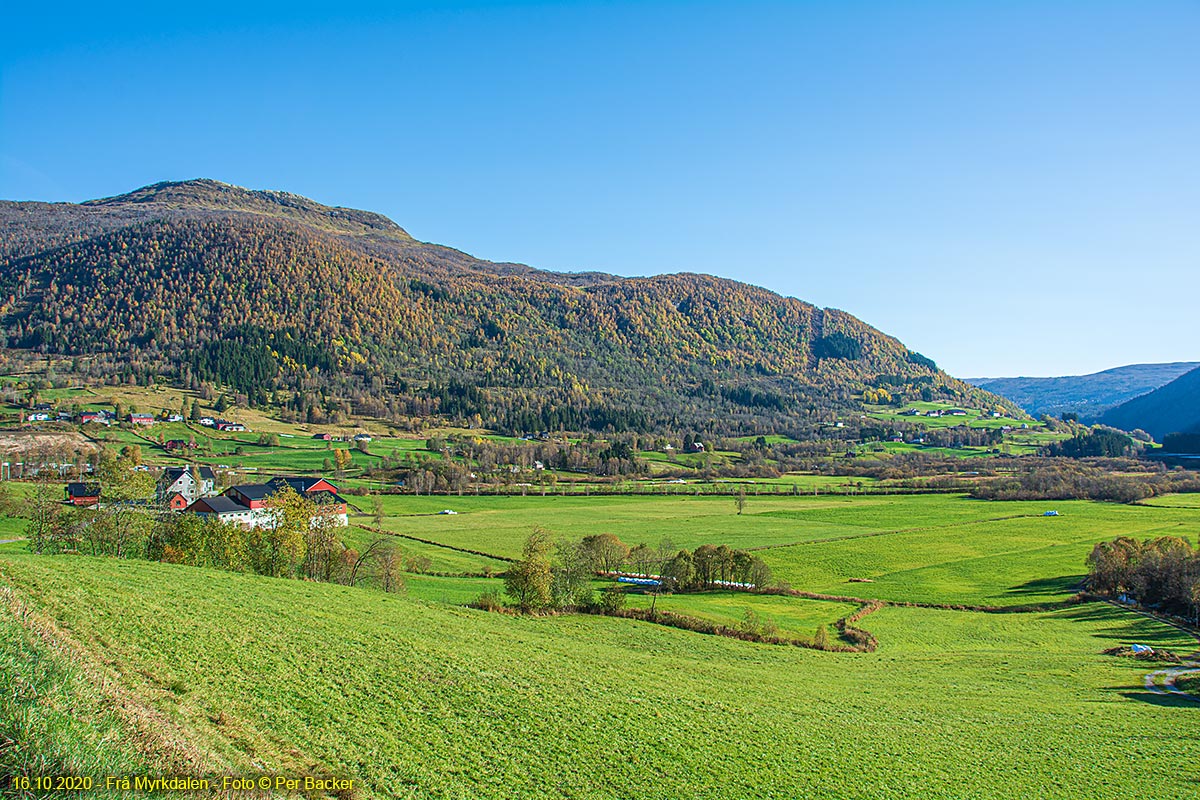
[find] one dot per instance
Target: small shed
(83, 494)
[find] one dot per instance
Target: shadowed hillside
(1175, 408)
(1086, 395)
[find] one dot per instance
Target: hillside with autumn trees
(316, 311)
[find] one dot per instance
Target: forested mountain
(1085, 395)
(1174, 408)
(326, 310)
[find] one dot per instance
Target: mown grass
(425, 700)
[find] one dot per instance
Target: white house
(182, 481)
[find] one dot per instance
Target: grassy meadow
(416, 695)
(420, 699)
(923, 548)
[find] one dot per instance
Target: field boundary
(1078, 598)
(686, 622)
(409, 536)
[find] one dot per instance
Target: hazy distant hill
(324, 310)
(1174, 408)
(1087, 395)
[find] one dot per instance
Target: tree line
(557, 573)
(1162, 573)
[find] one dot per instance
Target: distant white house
(39, 416)
(207, 422)
(362, 437)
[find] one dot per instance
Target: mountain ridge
(288, 300)
(1087, 395)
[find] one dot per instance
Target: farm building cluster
(46, 413)
(193, 490)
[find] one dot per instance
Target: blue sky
(1009, 187)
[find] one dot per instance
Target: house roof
(253, 491)
(82, 490)
(172, 474)
(302, 484)
(217, 505)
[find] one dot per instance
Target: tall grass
(52, 721)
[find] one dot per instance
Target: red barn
(83, 494)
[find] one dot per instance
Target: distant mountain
(1174, 408)
(1086, 395)
(324, 311)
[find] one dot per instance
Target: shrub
(488, 601)
(821, 638)
(612, 600)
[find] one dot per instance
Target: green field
(419, 699)
(924, 548)
(417, 696)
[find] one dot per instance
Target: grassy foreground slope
(424, 700)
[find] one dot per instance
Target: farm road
(1162, 681)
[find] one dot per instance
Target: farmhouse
(92, 416)
(141, 419)
(38, 416)
(190, 483)
(230, 427)
(83, 494)
(249, 504)
(178, 444)
(324, 437)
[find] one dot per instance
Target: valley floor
(127, 666)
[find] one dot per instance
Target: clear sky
(1012, 188)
